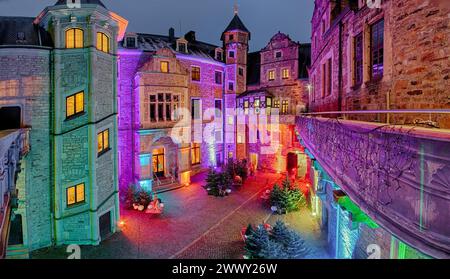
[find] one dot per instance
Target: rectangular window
(278, 54)
(195, 154)
(246, 106)
(241, 71)
(218, 77)
(168, 112)
(271, 75)
(164, 67)
(75, 104)
(358, 62)
(153, 112)
(231, 86)
(276, 104)
(102, 42)
(231, 37)
(286, 74)
(219, 55)
(103, 142)
(195, 73)
(377, 49)
(329, 76)
(268, 105)
(231, 54)
(257, 105)
(182, 47)
(75, 195)
(285, 107)
(218, 108)
(160, 111)
(324, 82)
(131, 42)
(195, 111)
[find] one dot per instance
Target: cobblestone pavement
(193, 226)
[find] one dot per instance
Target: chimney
(172, 34)
(190, 36)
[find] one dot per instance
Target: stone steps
(17, 252)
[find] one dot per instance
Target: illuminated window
(195, 73)
(164, 65)
(103, 142)
(285, 107)
(246, 105)
(195, 154)
(75, 195)
(102, 42)
(269, 106)
(74, 38)
(257, 105)
(271, 75)
(286, 73)
(276, 104)
(75, 104)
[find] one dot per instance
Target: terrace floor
(197, 226)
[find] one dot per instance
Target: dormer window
(182, 45)
(219, 54)
(130, 42)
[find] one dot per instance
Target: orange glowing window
(195, 73)
(286, 73)
(195, 154)
(74, 38)
(271, 75)
(102, 42)
(75, 195)
(164, 67)
(103, 142)
(75, 104)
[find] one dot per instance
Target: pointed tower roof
(236, 24)
(83, 2)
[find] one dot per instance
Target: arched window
(74, 38)
(102, 42)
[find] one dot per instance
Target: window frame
(197, 77)
(103, 37)
(269, 75)
(377, 38)
(217, 74)
(161, 68)
(285, 70)
(103, 148)
(76, 112)
(358, 59)
(75, 45)
(77, 201)
(193, 115)
(196, 160)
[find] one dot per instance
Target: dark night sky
(207, 17)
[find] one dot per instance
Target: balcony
(398, 175)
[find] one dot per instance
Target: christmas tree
(255, 241)
(273, 250)
(249, 230)
(280, 233)
(295, 246)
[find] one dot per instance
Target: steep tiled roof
(92, 2)
(21, 31)
(152, 43)
(236, 24)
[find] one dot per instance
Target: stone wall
(416, 55)
(25, 82)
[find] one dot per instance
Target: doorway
(10, 117)
(105, 225)
(292, 163)
(158, 162)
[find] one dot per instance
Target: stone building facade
(391, 57)
(58, 78)
(367, 57)
(277, 90)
